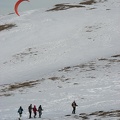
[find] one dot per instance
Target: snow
(69, 54)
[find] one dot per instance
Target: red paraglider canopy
(17, 4)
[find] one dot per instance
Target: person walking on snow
(74, 107)
(35, 111)
(40, 111)
(20, 110)
(30, 110)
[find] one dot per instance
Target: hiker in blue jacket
(20, 110)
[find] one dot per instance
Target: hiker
(20, 110)
(30, 110)
(40, 111)
(35, 111)
(74, 107)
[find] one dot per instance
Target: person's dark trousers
(40, 115)
(20, 115)
(35, 114)
(73, 112)
(29, 114)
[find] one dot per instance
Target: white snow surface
(70, 52)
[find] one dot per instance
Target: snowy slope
(55, 57)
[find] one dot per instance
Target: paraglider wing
(17, 4)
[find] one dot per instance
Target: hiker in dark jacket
(30, 110)
(40, 111)
(74, 107)
(20, 110)
(35, 111)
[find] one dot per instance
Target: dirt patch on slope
(97, 115)
(21, 57)
(90, 2)
(116, 55)
(7, 26)
(90, 66)
(22, 85)
(6, 90)
(101, 114)
(64, 6)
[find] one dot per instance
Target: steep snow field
(53, 57)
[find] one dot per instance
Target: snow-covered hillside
(54, 56)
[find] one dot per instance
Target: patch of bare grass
(91, 8)
(102, 114)
(116, 56)
(108, 9)
(6, 94)
(22, 85)
(84, 67)
(7, 26)
(109, 60)
(54, 78)
(65, 69)
(64, 7)
(102, 59)
(7, 90)
(62, 78)
(89, 2)
(115, 113)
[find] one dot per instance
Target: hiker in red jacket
(35, 111)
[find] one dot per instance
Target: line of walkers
(34, 109)
(30, 109)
